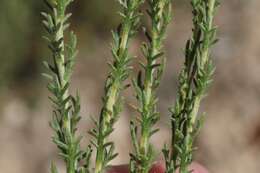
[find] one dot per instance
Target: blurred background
(230, 139)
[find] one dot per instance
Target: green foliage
(194, 80)
(66, 107)
(114, 84)
(15, 33)
(160, 14)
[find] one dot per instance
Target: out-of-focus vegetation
(17, 44)
(20, 33)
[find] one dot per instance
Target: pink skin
(157, 168)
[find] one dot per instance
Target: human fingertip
(158, 167)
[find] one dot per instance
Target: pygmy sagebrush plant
(142, 159)
(112, 101)
(66, 107)
(193, 82)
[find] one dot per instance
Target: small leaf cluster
(145, 86)
(194, 80)
(112, 100)
(66, 107)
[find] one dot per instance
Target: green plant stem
(109, 107)
(60, 61)
(114, 85)
(194, 80)
(204, 55)
(66, 107)
(160, 15)
(148, 92)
